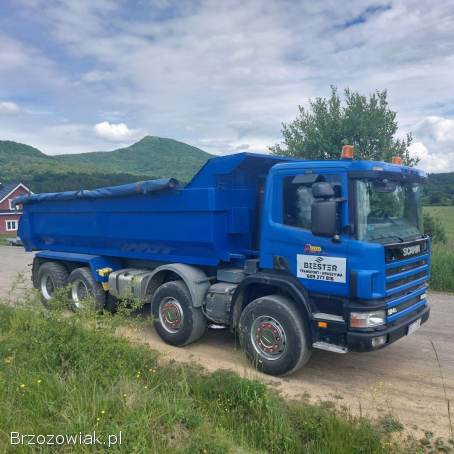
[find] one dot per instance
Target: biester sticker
(320, 268)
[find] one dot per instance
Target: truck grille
(407, 273)
(405, 280)
(412, 290)
(402, 268)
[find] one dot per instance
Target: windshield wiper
(396, 236)
(385, 237)
(415, 237)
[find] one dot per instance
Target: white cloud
(434, 144)
(97, 76)
(8, 108)
(437, 129)
(115, 132)
(430, 161)
(223, 75)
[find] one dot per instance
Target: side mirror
(322, 190)
(324, 218)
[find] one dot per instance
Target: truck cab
(351, 234)
(290, 255)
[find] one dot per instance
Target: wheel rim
(47, 286)
(79, 292)
(268, 337)
(171, 315)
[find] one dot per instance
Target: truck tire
(51, 276)
(176, 320)
(272, 333)
(83, 287)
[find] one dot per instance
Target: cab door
(287, 243)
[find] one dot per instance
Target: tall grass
(60, 375)
(442, 254)
(442, 267)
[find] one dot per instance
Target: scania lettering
(411, 250)
(290, 255)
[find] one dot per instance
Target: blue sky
(221, 75)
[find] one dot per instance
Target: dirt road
(405, 379)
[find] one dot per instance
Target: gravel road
(412, 379)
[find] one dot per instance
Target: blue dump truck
(290, 255)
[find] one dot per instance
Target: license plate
(414, 326)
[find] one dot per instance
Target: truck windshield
(388, 211)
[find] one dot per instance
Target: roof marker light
(347, 152)
(397, 160)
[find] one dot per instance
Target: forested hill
(440, 189)
(151, 157)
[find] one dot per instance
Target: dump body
(211, 220)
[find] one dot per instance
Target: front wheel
(273, 335)
(176, 320)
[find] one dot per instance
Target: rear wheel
(273, 335)
(51, 276)
(176, 320)
(84, 288)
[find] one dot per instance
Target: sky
(222, 75)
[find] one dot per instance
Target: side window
(298, 198)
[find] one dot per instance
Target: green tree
(434, 228)
(368, 123)
(435, 198)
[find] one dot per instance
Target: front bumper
(362, 341)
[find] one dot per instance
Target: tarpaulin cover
(141, 187)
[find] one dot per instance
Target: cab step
(330, 347)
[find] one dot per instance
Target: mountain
(151, 157)
(18, 158)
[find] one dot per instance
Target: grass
(62, 375)
(3, 238)
(446, 216)
(442, 255)
(442, 268)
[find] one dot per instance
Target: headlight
(367, 319)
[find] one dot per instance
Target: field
(63, 375)
(446, 216)
(442, 265)
(3, 238)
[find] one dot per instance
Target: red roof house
(9, 217)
